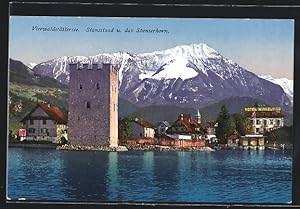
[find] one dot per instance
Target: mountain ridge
(189, 76)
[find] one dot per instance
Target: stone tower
(93, 105)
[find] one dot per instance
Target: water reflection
(112, 177)
(164, 176)
(84, 175)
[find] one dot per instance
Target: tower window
(44, 131)
(88, 105)
(78, 118)
(98, 86)
(31, 130)
(80, 86)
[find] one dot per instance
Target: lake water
(226, 176)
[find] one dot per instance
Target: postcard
(109, 109)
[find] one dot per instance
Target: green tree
(281, 135)
(242, 123)
(226, 125)
(125, 129)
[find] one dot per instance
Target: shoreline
(32, 145)
(122, 148)
(131, 148)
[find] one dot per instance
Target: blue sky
(261, 46)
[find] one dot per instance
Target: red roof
(143, 123)
(52, 111)
(190, 125)
(232, 137)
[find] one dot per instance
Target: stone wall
(142, 141)
(182, 143)
(42, 138)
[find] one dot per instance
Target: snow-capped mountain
(31, 65)
(286, 84)
(189, 76)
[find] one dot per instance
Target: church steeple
(198, 117)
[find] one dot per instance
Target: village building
(253, 141)
(93, 105)
(187, 128)
(142, 129)
(264, 119)
(162, 127)
(45, 122)
(142, 132)
(210, 128)
(233, 140)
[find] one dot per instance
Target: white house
(141, 129)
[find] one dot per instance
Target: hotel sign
(265, 109)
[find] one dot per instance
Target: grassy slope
(26, 89)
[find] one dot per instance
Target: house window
(257, 122)
(44, 131)
(44, 121)
(78, 118)
(271, 121)
(31, 122)
(257, 130)
(88, 105)
(278, 122)
(97, 86)
(265, 122)
(31, 130)
(80, 86)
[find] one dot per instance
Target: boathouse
(254, 141)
